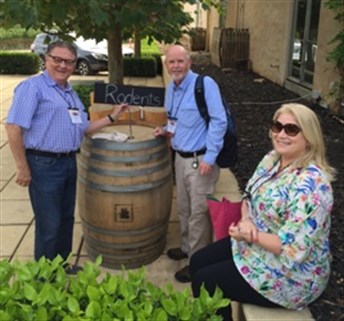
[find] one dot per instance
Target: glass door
(304, 45)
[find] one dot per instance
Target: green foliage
(112, 19)
(143, 67)
(83, 92)
(149, 48)
(42, 291)
(157, 57)
(337, 55)
(17, 32)
(18, 63)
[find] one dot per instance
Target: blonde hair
(311, 130)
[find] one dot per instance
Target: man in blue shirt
(45, 126)
(196, 147)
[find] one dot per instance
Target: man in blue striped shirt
(45, 126)
(196, 147)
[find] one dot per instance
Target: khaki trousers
(192, 190)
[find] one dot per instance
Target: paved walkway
(16, 219)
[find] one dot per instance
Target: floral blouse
(295, 204)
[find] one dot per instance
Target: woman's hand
(245, 230)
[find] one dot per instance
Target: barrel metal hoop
(119, 261)
(143, 157)
(121, 246)
(124, 188)
(124, 173)
(126, 146)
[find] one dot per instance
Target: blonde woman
(278, 255)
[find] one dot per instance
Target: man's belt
(191, 154)
(50, 154)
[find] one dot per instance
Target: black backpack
(229, 152)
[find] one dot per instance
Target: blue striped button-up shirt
(40, 107)
(191, 132)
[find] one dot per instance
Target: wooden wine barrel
(125, 196)
(97, 111)
(155, 115)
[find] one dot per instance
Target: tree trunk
(137, 41)
(115, 63)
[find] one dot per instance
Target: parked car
(92, 56)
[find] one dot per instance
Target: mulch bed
(253, 101)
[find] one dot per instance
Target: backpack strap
(200, 99)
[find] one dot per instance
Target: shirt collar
(185, 82)
(51, 82)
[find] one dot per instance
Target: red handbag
(222, 214)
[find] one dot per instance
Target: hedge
(18, 63)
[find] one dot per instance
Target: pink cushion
(222, 214)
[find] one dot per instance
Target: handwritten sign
(131, 95)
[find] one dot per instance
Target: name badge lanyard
(255, 186)
(172, 126)
(178, 106)
(172, 119)
(64, 98)
(74, 112)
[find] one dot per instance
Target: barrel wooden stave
(125, 205)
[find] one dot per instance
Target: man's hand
(205, 168)
(159, 131)
(23, 177)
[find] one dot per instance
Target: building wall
(270, 27)
(269, 24)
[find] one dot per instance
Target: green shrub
(83, 92)
(139, 67)
(42, 291)
(157, 57)
(23, 63)
(17, 32)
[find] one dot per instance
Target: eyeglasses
(290, 129)
(59, 60)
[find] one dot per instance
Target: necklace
(250, 191)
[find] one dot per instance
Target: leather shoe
(72, 269)
(183, 275)
(176, 254)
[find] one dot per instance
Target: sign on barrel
(131, 95)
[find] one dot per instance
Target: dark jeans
(214, 266)
(52, 193)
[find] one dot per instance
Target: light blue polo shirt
(191, 132)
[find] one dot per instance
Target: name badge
(75, 116)
(171, 125)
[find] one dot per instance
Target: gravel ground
(254, 101)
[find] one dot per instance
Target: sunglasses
(290, 129)
(59, 60)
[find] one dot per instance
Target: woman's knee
(196, 262)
